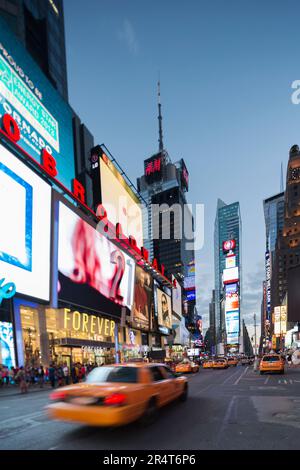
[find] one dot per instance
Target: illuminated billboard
(229, 245)
(153, 167)
(44, 118)
(232, 323)
(93, 272)
(7, 349)
(143, 298)
(25, 206)
(177, 298)
(230, 275)
(280, 320)
(230, 262)
(120, 202)
(164, 309)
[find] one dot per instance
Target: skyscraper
(168, 221)
(274, 221)
(40, 27)
(228, 273)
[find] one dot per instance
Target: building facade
(228, 272)
(40, 27)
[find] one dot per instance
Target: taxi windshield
(271, 358)
(113, 374)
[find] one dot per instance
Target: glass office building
(228, 226)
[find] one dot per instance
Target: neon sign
(153, 166)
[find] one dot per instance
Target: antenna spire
(160, 140)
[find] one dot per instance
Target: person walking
(66, 373)
(51, 372)
(21, 378)
(41, 374)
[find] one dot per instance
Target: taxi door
(163, 386)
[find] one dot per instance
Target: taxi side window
(167, 373)
(156, 374)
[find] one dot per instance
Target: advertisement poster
(7, 350)
(26, 216)
(143, 298)
(164, 309)
(44, 118)
(120, 202)
(177, 298)
(232, 321)
(91, 268)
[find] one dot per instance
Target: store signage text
(153, 166)
(90, 324)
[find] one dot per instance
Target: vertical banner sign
(268, 284)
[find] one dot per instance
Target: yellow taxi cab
(118, 394)
(220, 363)
(186, 366)
(208, 364)
(271, 363)
(232, 361)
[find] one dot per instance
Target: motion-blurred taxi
(232, 361)
(186, 367)
(117, 394)
(208, 364)
(271, 363)
(220, 363)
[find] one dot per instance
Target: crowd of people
(55, 375)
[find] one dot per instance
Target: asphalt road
(227, 409)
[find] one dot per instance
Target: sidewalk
(14, 390)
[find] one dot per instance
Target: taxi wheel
(150, 414)
(184, 395)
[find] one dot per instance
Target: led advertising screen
(25, 205)
(230, 275)
(164, 309)
(232, 322)
(93, 272)
(44, 118)
(177, 298)
(230, 262)
(120, 202)
(143, 298)
(7, 349)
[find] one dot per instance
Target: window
(113, 374)
(168, 373)
(156, 373)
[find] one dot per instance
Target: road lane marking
(24, 417)
(227, 417)
(228, 378)
(267, 380)
(242, 374)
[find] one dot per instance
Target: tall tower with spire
(160, 139)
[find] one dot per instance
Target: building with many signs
(39, 25)
(228, 277)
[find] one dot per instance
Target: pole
(255, 344)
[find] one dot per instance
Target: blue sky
(226, 69)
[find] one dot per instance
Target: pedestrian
(12, 375)
(73, 374)
(66, 373)
(21, 378)
(52, 372)
(41, 374)
(59, 375)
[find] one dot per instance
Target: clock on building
(294, 174)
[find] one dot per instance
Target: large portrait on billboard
(93, 272)
(143, 298)
(164, 309)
